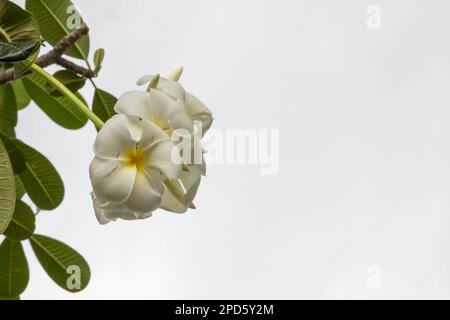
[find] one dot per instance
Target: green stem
(69, 94)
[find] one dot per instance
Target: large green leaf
(17, 51)
(7, 189)
(16, 155)
(56, 19)
(20, 189)
(41, 180)
(103, 104)
(22, 224)
(67, 78)
(14, 273)
(22, 97)
(63, 264)
(15, 298)
(8, 110)
(23, 66)
(60, 109)
(19, 35)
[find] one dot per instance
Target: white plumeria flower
(195, 109)
(132, 159)
(157, 107)
(171, 108)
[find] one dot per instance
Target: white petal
(198, 111)
(191, 182)
(179, 194)
(113, 212)
(173, 197)
(176, 74)
(151, 134)
(146, 194)
(178, 116)
(117, 137)
(169, 87)
(145, 79)
(172, 88)
(120, 213)
(135, 103)
(99, 212)
(159, 109)
(199, 167)
(164, 156)
(112, 180)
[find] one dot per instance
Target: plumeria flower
(195, 109)
(168, 106)
(157, 107)
(133, 157)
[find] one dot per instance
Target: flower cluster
(149, 154)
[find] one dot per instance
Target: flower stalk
(69, 94)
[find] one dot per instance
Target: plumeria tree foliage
(148, 153)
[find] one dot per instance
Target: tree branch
(69, 65)
(54, 57)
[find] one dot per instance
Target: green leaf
(20, 189)
(16, 156)
(56, 19)
(67, 78)
(64, 265)
(22, 224)
(14, 273)
(103, 104)
(17, 51)
(8, 110)
(15, 298)
(23, 66)
(22, 97)
(60, 109)
(99, 55)
(7, 189)
(19, 35)
(40, 179)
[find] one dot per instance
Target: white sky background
(364, 152)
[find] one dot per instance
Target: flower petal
(118, 136)
(145, 79)
(151, 134)
(135, 103)
(99, 212)
(146, 193)
(179, 194)
(172, 88)
(178, 116)
(164, 156)
(198, 111)
(159, 109)
(106, 213)
(112, 180)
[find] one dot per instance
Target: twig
(69, 65)
(54, 57)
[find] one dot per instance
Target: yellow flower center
(137, 158)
